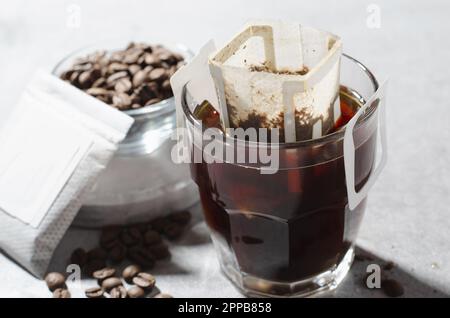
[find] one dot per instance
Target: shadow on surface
(354, 284)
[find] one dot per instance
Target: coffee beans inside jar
(132, 78)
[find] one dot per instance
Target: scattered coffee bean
(152, 237)
(104, 273)
(142, 228)
(183, 217)
(160, 251)
(173, 231)
(141, 256)
(162, 295)
(130, 272)
(131, 236)
(118, 292)
(118, 253)
(160, 224)
(392, 288)
(144, 280)
(109, 236)
(94, 292)
(93, 265)
(111, 282)
(389, 266)
(97, 254)
(55, 280)
(61, 293)
(136, 292)
(145, 245)
(107, 76)
(79, 257)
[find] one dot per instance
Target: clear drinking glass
(290, 233)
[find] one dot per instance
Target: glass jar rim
(323, 139)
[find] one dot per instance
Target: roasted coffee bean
(160, 251)
(117, 67)
(123, 85)
(94, 292)
(136, 292)
(158, 74)
(389, 266)
(152, 60)
(173, 231)
(118, 292)
(152, 101)
(131, 236)
(141, 256)
(97, 253)
(162, 295)
(166, 86)
(152, 237)
(142, 228)
(93, 265)
(139, 78)
(79, 257)
(144, 280)
(111, 282)
(104, 273)
(148, 69)
(97, 91)
(82, 66)
(74, 78)
(126, 71)
(133, 69)
(133, 56)
(160, 224)
(66, 75)
(183, 217)
(61, 293)
(109, 236)
(86, 79)
(55, 280)
(392, 288)
(130, 272)
(121, 101)
(147, 92)
(118, 253)
(116, 76)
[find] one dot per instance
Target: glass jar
(290, 232)
(141, 182)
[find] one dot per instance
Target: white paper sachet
(279, 75)
(196, 78)
(52, 148)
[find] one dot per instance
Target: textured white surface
(407, 219)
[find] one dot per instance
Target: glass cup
(291, 232)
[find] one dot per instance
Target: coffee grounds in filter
(258, 88)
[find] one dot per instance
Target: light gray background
(407, 218)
